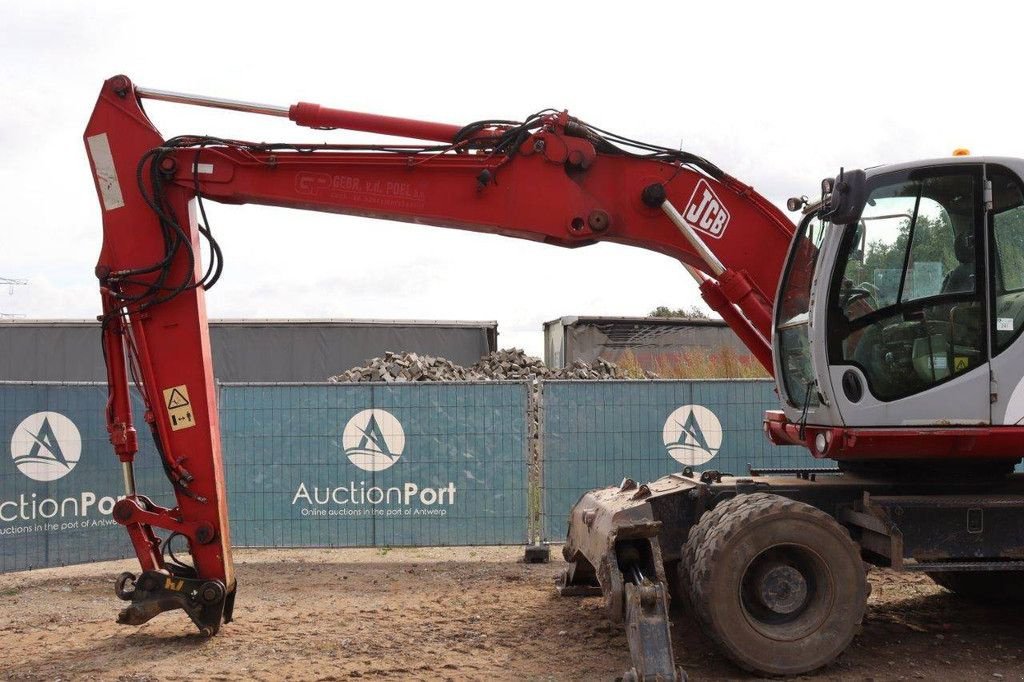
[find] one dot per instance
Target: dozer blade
(613, 548)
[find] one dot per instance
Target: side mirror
(845, 198)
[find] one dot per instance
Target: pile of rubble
(514, 364)
(402, 367)
(511, 364)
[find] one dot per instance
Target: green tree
(881, 265)
(1009, 232)
(693, 312)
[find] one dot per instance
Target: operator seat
(961, 278)
(964, 319)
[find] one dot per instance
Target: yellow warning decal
(960, 363)
(179, 408)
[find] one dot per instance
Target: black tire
(694, 538)
(983, 586)
(777, 584)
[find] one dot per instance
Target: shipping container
(650, 342)
(247, 350)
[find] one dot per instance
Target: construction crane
(890, 317)
(10, 283)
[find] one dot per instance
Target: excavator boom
(551, 178)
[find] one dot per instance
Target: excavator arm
(551, 178)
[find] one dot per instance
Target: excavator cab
(903, 298)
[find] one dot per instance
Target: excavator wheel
(777, 584)
(694, 539)
(982, 586)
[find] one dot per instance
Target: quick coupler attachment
(206, 602)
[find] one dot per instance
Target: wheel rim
(787, 592)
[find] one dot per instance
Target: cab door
(1006, 262)
(907, 332)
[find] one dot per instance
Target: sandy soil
(452, 614)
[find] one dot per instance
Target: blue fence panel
(324, 465)
(376, 464)
(59, 477)
(594, 433)
(372, 464)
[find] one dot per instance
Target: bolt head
(599, 220)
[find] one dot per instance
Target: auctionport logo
(46, 446)
(373, 440)
(692, 435)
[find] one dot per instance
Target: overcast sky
(778, 94)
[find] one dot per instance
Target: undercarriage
(773, 567)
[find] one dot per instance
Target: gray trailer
(247, 350)
(649, 340)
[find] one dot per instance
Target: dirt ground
(444, 614)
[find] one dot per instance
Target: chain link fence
(369, 464)
(595, 433)
(316, 465)
(59, 479)
(343, 465)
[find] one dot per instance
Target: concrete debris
(511, 364)
(404, 367)
(514, 364)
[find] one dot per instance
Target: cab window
(905, 305)
(1007, 225)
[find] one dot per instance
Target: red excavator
(890, 317)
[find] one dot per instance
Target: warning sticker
(179, 408)
(960, 363)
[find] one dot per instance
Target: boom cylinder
(213, 102)
(712, 294)
(119, 408)
(709, 258)
(316, 116)
(735, 286)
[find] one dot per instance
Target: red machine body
(551, 182)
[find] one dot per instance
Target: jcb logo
(706, 212)
(173, 585)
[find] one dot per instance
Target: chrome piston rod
(214, 102)
(693, 238)
(129, 478)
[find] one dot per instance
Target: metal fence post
(536, 551)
